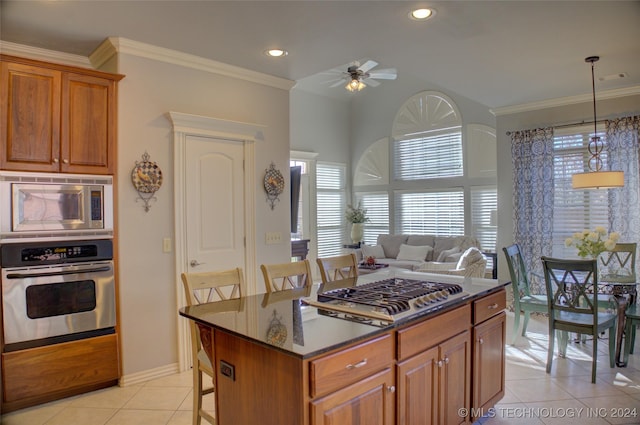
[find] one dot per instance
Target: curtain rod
(575, 124)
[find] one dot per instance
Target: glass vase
(357, 232)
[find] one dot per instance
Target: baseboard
(148, 375)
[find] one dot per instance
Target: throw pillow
(413, 253)
(447, 252)
(374, 251)
(470, 256)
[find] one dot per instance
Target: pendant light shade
(596, 178)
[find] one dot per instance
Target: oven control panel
(30, 255)
(45, 253)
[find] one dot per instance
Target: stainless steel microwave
(48, 205)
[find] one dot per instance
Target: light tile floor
(565, 396)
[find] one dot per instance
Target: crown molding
(564, 101)
(37, 53)
(119, 45)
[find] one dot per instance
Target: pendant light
(596, 178)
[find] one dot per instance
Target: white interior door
(215, 210)
(214, 163)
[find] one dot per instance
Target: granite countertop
(282, 321)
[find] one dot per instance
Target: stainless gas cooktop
(383, 302)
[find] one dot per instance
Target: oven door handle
(58, 273)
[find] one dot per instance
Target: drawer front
(489, 306)
(345, 367)
(417, 338)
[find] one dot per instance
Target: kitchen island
(280, 361)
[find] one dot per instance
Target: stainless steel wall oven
(56, 291)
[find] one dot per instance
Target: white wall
(147, 284)
(608, 108)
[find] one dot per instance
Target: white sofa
(412, 251)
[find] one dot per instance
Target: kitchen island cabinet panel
(370, 401)
(489, 363)
(418, 389)
(265, 386)
(350, 365)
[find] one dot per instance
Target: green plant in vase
(357, 216)
(592, 243)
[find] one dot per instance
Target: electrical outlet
(272, 238)
(228, 370)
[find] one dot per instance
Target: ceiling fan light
(421, 14)
(355, 85)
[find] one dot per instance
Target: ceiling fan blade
(368, 65)
(384, 74)
(371, 82)
(339, 82)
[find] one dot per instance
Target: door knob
(195, 263)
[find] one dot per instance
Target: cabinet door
(87, 141)
(368, 402)
(418, 389)
(455, 375)
(29, 118)
(489, 363)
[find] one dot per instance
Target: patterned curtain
(532, 157)
(622, 136)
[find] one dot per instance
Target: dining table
(623, 293)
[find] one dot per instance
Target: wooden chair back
(338, 268)
(278, 277)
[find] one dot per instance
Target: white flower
(593, 237)
(601, 230)
(614, 236)
(568, 242)
(609, 244)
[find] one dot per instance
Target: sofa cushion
(414, 253)
(470, 256)
(374, 251)
(423, 240)
(401, 264)
(445, 255)
(391, 244)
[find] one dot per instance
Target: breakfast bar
(283, 357)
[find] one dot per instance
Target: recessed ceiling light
(421, 14)
(276, 53)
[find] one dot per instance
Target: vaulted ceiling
(498, 53)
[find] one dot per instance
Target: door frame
(185, 125)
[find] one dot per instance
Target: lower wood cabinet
(434, 385)
(370, 401)
(42, 374)
(488, 363)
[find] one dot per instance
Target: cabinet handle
(481, 341)
(55, 160)
(446, 360)
(391, 389)
(440, 364)
(65, 161)
(493, 306)
(357, 365)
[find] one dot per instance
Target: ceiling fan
(359, 76)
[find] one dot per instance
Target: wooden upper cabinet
(87, 139)
(30, 108)
(57, 118)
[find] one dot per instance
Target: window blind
(377, 206)
(575, 210)
(484, 209)
(439, 213)
(331, 201)
(434, 155)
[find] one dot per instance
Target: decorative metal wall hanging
(147, 179)
(273, 184)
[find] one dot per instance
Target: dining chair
(618, 266)
(523, 300)
(338, 268)
(277, 277)
(202, 288)
(572, 308)
(632, 318)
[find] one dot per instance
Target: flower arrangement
(356, 214)
(593, 243)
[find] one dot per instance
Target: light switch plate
(166, 245)
(272, 238)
